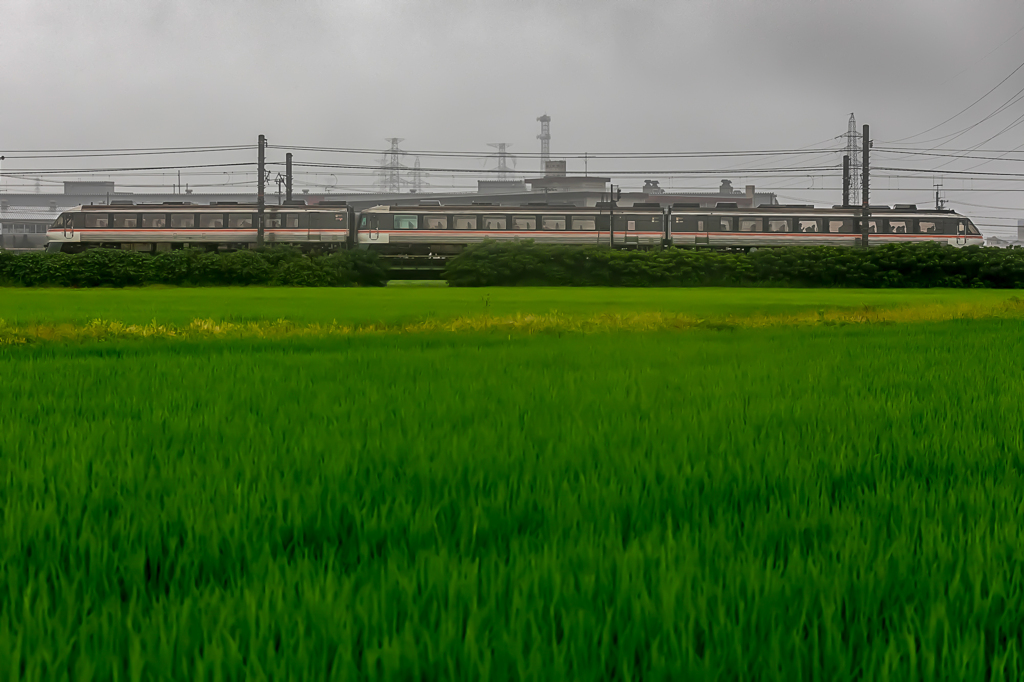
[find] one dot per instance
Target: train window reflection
(583, 223)
(809, 224)
(292, 220)
(780, 224)
(405, 222)
(725, 224)
(211, 220)
(183, 220)
(272, 220)
(899, 227)
(465, 222)
(494, 222)
(750, 224)
(553, 222)
(96, 220)
(927, 227)
(124, 220)
(154, 220)
(844, 226)
(240, 220)
(435, 222)
(873, 226)
(524, 222)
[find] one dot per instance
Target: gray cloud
(456, 74)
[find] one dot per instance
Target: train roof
(124, 205)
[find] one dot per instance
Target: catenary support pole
(260, 198)
(288, 176)
(865, 184)
(846, 181)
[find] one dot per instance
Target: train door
(316, 223)
(69, 227)
(961, 233)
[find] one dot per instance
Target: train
(430, 229)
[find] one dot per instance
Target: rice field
(796, 495)
(409, 304)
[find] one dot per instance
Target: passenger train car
(445, 230)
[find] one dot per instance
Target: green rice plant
(772, 503)
(109, 330)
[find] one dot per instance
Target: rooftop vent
(430, 202)
(333, 203)
(647, 204)
(727, 204)
(691, 205)
(122, 202)
(905, 207)
(223, 203)
(294, 202)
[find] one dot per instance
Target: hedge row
(898, 265)
(112, 267)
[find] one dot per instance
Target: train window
(725, 223)
(240, 220)
(465, 222)
(583, 223)
(971, 229)
(124, 220)
(808, 224)
(494, 222)
(154, 220)
(750, 224)
(292, 220)
(553, 222)
(435, 222)
(873, 226)
(96, 220)
(928, 227)
(405, 222)
(524, 222)
(271, 220)
(211, 220)
(842, 226)
(184, 221)
(899, 227)
(780, 224)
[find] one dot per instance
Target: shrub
(896, 265)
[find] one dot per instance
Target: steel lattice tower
(853, 151)
(545, 141)
(391, 169)
(503, 157)
(417, 177)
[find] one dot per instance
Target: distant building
(88, 188)
(24, 229)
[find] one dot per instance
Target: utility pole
(288, 176)
(846, 181)
(612, 198)
(866, 210)
(260, 198)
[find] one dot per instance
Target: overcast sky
(614, 75)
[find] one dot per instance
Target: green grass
(408, 304)
(785, 503)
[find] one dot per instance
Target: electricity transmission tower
(545, 141)
(853, 151)
(390, 173)
(417, 177)
(503, 156)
